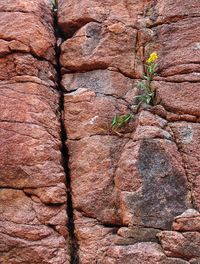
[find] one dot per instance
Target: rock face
(72, 189)
(131, 185)
(33, 215)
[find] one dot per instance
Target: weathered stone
(178, 47)
(21, 209)
(42, 8)
(103, 82)
(33, 215)
(50, 195)
(188, 221)
(94, 239)
(93, 100)
(92, 176)
(150, 132)
(170, 11)
(24, 67)
(24, 32)
(25, 243)
(179, 98)
(74, 15)
(90, 114)
(147, 253)
(4, 49)
(187, 136)
(128, 236)
(185, 245)
(195, 261)
(152, 184)
(31, 134)
(36, 105)
(146, 118)
(86, 50)
(125, 184)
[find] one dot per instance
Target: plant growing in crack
(146, 94)
(120, 121)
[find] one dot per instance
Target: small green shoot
(120, 121)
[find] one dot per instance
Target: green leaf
(114, 121)
(142, 86)
(146, 78)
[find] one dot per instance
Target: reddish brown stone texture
(144, 252)
(39, 39)
(175, 39)
(73, 15)
(103, 35)
(94, 239)
(125, 186)
(33, 215)
(172, 11)
(188, 221)
(186, 244)
(90, 159)
(187, 136)
(19, 67)
(98, 46)
(179, 98)
(141, 181)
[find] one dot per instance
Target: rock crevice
(72, 190)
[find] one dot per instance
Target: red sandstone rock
(141, 178)
(102, 82)
(23, 234)
(178, 47)
(185, 245)
(74, 15)
(92, 176)
(92, 104)
(94, 239)
(25, 68)
(90, 114)
(33, 218)
(42, 8)
(135, 234)
(148, 181)
(25, 33)
(188, 221)
(187, 136)
(179, 98)
(96, 46)
(31, 158)
(24, 243)
(146, 253)
(172, 11)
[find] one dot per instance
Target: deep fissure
(73, 243)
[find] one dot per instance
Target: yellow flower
(152, 58)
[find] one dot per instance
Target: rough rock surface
(33, 215)
(132, 184)
(72, 189)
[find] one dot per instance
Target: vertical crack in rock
(73, 244)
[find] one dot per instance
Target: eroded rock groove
(73, 243)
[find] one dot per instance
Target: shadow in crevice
(73, 243)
